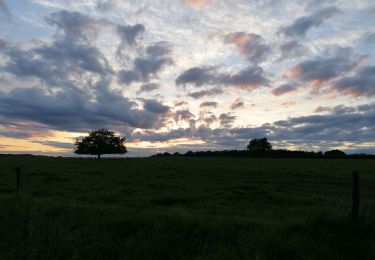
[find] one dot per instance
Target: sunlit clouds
(187, 75)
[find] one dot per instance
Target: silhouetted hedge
(279, 153)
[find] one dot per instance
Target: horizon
(174, 76)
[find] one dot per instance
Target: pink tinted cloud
(250, 44)
(322, 109)
(283, 89)
(237, 104)
(199, 4)
(288, 104)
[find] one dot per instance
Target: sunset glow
(187, 75)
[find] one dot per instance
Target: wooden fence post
(355, 196)
(18, 172)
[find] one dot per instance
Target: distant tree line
(258, 148)
(277, 153)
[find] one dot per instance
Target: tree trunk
(99, 157)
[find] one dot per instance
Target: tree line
(104, 141)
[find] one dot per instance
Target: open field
(185, 208)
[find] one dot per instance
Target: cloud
(340, 109)
(199, 4)
(156, 59)
(155, 106)
(74, 110)
(205, 93)
(148, 87)
(293, 49)
(337, 126)
(3, 42)
(324, 69)
(57, 144)
(55, 64)
(237, 104)
(106, 5)
(368, 38)
(181, 103)
(183, 115)
(73, 90)
(250, 78)
(320, 132)
(283, 89)
(208, 104)
(65, 60)
(226, 119)
(249, 44)
(197, 76)
(300, 26)
(361, 84)
(208, 119)
(76, 25)
(129, 33)
(288, 104)
(4, 11)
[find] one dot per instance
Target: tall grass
(185, 208)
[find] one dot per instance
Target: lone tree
(100, 142)
(259, 145)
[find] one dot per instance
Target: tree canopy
(101, 142)
(259, 145)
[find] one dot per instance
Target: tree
(259, 145)
(335, 153)
(100, 142)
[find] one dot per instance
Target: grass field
(185, 208)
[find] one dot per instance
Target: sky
(180, 75)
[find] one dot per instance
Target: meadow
(185, 208)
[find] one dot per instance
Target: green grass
(185, 208)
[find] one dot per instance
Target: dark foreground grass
(185, 208)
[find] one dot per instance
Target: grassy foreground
(185, 208)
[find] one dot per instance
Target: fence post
(355, 196)
(18, 173)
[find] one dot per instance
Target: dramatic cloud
(337, 126)
(322, 131)
(186, 70)
(361, 84)
(75, 25)
(283, 89)
(323, 69)
(155, 106)
(58, 63)
(197, 76)
(77, 77)
(144, 68)
(73, 110)
(300, 26)
(249, 44)
(250, 78)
